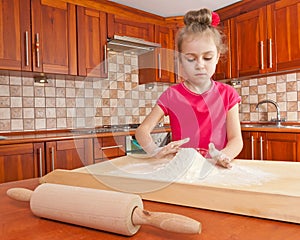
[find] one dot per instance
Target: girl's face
(199, 58)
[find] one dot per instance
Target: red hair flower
(215, 19)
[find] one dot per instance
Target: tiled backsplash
(284, 89)
(66, 102)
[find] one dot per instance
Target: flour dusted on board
(188, 166)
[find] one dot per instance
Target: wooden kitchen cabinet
(106, 148)
(284, 15)
(67, 154)
(128, 27)
(159, 65)
(223, 70)
(266, 39)
(92, 40)
(30, 160)
(54, 37)
(270, 146)
(249, 43)
(15, 37)
(18, 162)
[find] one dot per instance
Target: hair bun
(202, 17)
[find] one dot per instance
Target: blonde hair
(200, 22)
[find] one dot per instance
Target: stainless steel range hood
(130, 44)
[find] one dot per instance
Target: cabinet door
(285, 15)
(65, 154)
(129, 27)
(159, 65)
(92, 39)
(109, 147)
(17, 162)
(54, 37)
(165, 54)
(15, 47)
(253, 146)
(282, 146)
(249, 33)
(223, 70)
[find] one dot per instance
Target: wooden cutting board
(267, 189)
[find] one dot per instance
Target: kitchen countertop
(18, 222)
(54, 135)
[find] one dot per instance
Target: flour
(188, 166)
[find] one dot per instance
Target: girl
(201, 111)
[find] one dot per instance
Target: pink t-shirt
(201, 117)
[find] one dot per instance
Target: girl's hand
(170, 149)
(220, 158)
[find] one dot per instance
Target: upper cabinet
(130, 28)
(54, 37)
(285, 15)
(15, 37)
(266, 39)
(250, 43)
(47, 45)
(223, 70)
(165, 55)
(92, 40)
(159, 65)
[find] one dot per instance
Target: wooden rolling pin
(110, 211)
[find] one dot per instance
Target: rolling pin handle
(20, 194)
(166, 221)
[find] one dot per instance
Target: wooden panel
(56, 29)
(16, 149)
(109, 147)
(69, 144)
(270, 199)
(281, 146)
(14, 24)
(223, 70)
(130, 28)
(92, 39)
(17, 162)
(286, 15)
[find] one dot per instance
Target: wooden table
(17, 222)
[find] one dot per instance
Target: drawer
(109, 147)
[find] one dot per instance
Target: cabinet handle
(52, 158)
(270, 53)
(105, 59)
(26, 49)
(41, 161)
(159, 66)
(252, 148)
(111, 147)
(37, 49)
(262, 55)
(261, 148)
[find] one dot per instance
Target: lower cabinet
(17, 162)
(106, 148)
(31, 160)
(276, 146)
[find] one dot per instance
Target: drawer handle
(41, 161)
(52, 158)
(111, 147)
(262, 55)
(270, 53)
(26, 49)
(37, 49)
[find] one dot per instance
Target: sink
(257, 125)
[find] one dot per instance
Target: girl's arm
(143, 132)
(235, 140)
(143, 136)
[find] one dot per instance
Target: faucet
(278, 119)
